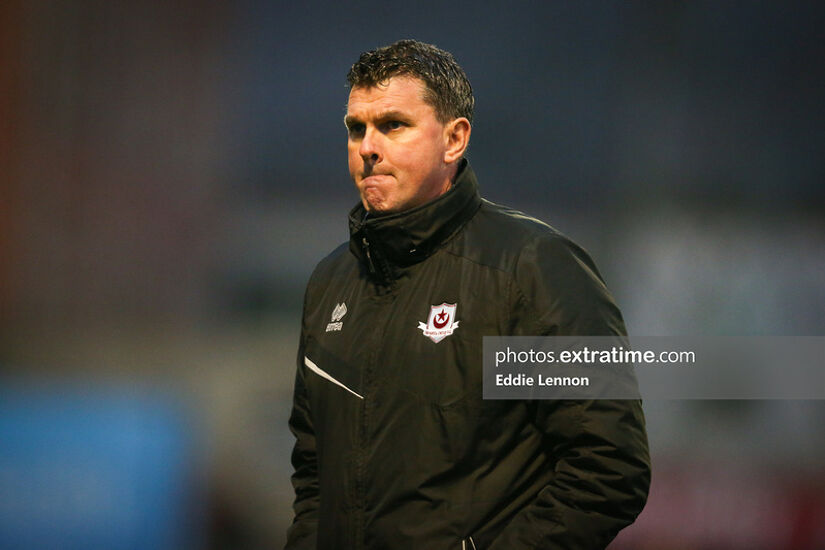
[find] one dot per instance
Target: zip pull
(366, 244)
(464, 544)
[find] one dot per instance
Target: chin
(375, 206)
(381, 209)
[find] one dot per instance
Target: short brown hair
(447, 88)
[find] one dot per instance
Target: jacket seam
(527, 301)
(472, 261)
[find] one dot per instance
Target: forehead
(399, 93)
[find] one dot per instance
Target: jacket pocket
(458, 422)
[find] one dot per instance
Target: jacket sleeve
(598, 448)
(302, 534)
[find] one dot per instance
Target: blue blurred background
(172, 171)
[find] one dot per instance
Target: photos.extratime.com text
(654, 367)
(586, 356)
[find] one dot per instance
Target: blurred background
(172, 171)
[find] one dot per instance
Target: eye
(394, 124)
(355, 130)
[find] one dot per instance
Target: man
(395, 447)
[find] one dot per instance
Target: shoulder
(514, 222)
(554, 279)
(503, 237)
(333, 266)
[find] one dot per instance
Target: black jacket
(395, 448)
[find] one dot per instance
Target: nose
(370, 147)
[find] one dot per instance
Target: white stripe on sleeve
(323, 374)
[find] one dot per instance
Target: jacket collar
(384, 244)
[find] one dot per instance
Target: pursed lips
(376, 179)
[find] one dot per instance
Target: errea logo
(337, 314)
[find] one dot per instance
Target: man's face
(396, 146)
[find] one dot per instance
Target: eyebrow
(386, 115)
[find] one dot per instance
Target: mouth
(376, 179)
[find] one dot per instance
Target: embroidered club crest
(441, 322)
(337, 314)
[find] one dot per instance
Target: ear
(456, 137)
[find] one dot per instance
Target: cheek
(431, 148)
(353, 160)
(422, 159)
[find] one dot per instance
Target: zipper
(383, 316)
(366, 244)
(379, 268)
(472, 545)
